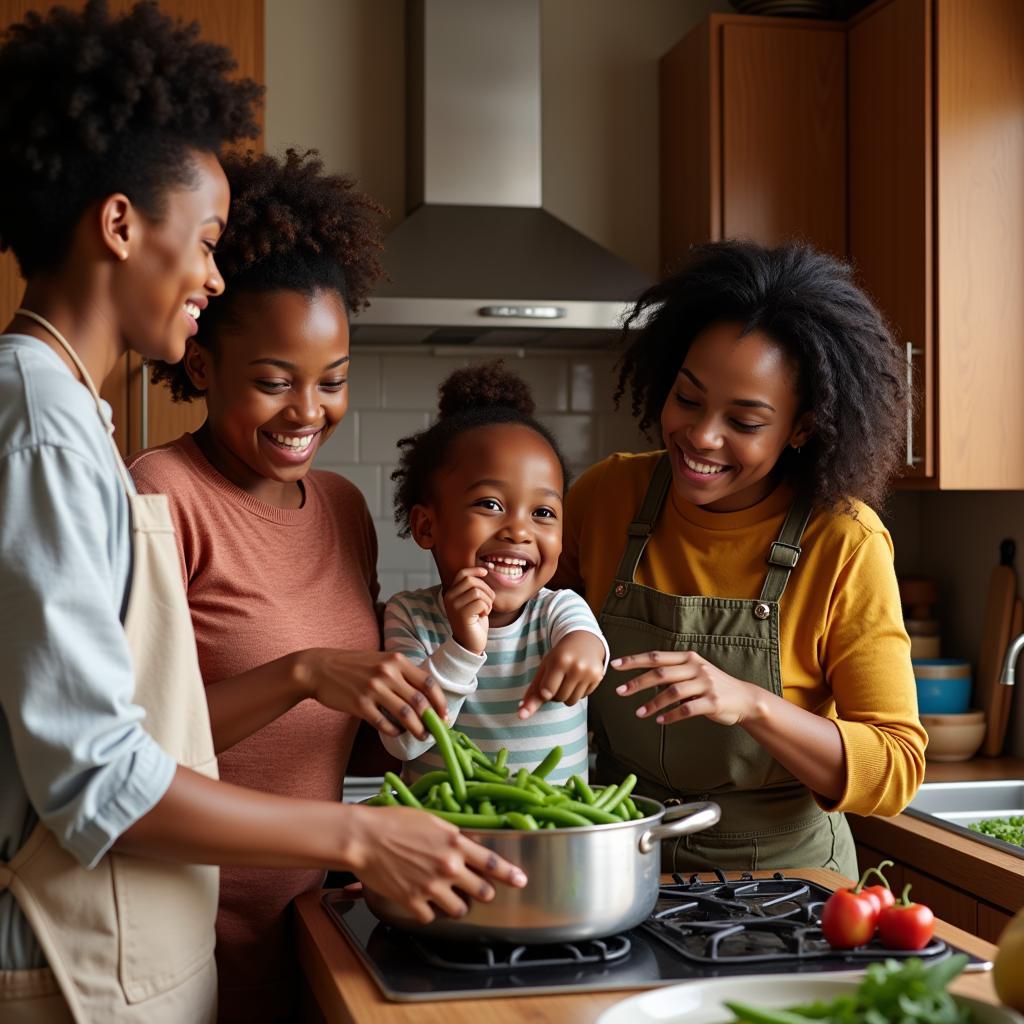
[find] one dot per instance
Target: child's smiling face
(276, 386)
(496, 503)
(732, 411)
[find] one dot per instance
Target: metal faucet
(1007, 676)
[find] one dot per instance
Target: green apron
(769, 819)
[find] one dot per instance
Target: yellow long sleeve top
(844, 651)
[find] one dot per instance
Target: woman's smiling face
(276, 386)
(732, 411)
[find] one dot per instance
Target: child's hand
(467, 603)
(568, 673)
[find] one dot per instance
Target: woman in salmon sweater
(279, 560)
(784, 691)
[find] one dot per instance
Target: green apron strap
(785, 552)
(639, 531)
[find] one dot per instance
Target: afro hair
(91, 105)
(291, 227)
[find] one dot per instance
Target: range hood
(478, 259)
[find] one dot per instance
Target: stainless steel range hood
(478, 259)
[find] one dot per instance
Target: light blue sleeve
(88, 766)
(452, 667)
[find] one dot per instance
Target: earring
(796, 448)
(123, 254)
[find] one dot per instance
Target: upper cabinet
(937, 222)
(753, 134)
(144, 414)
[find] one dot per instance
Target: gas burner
(750, 920)
(473, 956)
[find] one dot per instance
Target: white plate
(702, 1002)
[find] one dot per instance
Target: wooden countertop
(346, 993)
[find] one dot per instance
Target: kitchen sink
(955, 805)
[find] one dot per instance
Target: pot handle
(680, 821)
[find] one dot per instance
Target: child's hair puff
(484, 395)
(852, 376)
(91, 105)
(291, 228)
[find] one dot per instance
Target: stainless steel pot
(585, 882)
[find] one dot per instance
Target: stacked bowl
(954, 731)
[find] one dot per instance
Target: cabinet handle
(143, 406)
(912, 459)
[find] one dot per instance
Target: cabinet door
(891, 195)
(784, 133)
(143, 414)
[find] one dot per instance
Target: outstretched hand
(688, 685)
(567, 673)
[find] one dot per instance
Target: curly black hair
(91, 105)
(291, 228)
(851, 374)
(475, 396)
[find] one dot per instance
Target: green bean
(554, 755)
(465, 761)
(542, 784)
(585, 793)
(500, 791)
(554, 799)
(462, 738)
(424, 782)
(559, 816)
(464, 820)
(401, 790)
(549, 824)
(486, 807)
(501, 758)
(619, 793)
(631, 807)
(523, 822)
(433, 797)
(484, 775)
(479, 756)
(445, 746)
(590, 813)
(521, 776)
(448, 801)
(754, 1015)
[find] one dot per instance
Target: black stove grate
(753, 921)
(496, 956)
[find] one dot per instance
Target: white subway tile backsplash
(397, 554)
(576, 436)
(411, 382)
(364, 381)
(379, 432)
(342, 446)
(593, 383)
(421, 580)
(390, 583)
(367, 479)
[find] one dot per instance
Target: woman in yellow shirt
(784, 691)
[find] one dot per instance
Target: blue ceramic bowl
(944, 696)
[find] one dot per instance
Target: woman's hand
(423, 862)
(688, 686)
(467, 603)
(385, 689)
(567, 673)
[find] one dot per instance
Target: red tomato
(850, 916)
(906, 925)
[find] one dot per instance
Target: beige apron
(769, 819)
(132, 939)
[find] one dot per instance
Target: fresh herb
(1010, 830)
(894, 992)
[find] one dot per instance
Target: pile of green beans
(475, 792)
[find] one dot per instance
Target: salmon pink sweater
(263, 582)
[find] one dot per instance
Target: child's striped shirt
(484, 691)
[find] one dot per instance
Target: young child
(482, 491)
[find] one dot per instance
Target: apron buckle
(761, 610)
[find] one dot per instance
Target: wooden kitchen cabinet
(143, 413)
(936, 222)
(753, 134)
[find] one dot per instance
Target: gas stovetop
(698, 929)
